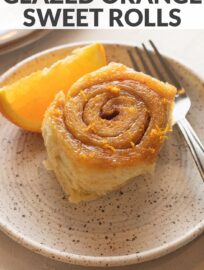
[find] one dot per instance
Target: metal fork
(161, 68)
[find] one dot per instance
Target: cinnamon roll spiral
(108, 129)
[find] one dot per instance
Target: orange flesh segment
(25, 101)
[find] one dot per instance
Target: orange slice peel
(24, 102)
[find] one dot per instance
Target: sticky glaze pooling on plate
(146, 219)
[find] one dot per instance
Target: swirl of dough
(113, 117)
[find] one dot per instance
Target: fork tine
(152, 61)
(166, 66)
(135, 65)
(144, 63)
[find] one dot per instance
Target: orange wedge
(25, 101)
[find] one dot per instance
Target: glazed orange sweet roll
(107, 130)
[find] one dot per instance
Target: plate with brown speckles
(146, 219)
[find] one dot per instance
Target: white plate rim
(17, 33)
(22, 40)
(86, 260)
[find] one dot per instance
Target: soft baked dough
(107, 130)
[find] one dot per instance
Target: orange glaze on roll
(112, 118)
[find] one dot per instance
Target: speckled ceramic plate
(146, 219)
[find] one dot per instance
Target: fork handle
(194, 144)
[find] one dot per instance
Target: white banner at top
(101, 14)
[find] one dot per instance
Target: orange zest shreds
(84, 156)
(92, 126)
(159, 132)
(108, 146)
(56, 112)
(113, 89)
(104, 141)
(131, 109)
(87, 156)
(83, 95)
